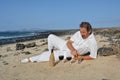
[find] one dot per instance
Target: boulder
(20, 46)
(33, 44)
(117, 42)
(26, 52)
(45, 43)
(105, 51)
(0, 56)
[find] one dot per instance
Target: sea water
(16, 36)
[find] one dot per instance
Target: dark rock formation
(26, 52)
(0, 56)
(44, 43)
(20, 46)
(117, 42)
(33, 44)
(105, 51)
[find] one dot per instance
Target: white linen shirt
(84, 45)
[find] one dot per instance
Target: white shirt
(84, 45)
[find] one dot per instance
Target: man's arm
(74, 52)
(72, 49)
(85, 58)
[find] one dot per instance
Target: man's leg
(44, 56)
(55, 41)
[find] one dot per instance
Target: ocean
(19, 36)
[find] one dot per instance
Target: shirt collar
(90, 36)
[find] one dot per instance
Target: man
(80, 43)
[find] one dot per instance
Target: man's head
(85, 29)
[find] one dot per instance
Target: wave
(18, 36)
(7, 35)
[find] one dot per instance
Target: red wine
(61, 57)
(68, 58)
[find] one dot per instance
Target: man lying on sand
(80, 43)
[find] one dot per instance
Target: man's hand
(74, 53)
(77, 57)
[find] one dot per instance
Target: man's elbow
(88, 58)
(91, 58)
(68, 42)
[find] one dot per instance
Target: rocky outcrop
(33, 44)
(20, 46)
(26, 52)
(105, 51)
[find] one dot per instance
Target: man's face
(84, 33)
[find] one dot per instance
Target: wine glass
(68, 58)
(61, 57)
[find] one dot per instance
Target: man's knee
(51, 36)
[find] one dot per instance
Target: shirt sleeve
(93, 50)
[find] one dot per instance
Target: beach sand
(102, 68)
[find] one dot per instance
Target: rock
(26, 53)
(5, 63)
(103, 41)
(46, 49)
(0, 56)
(116, 48)
(4, 56)
(105, 79)
(14, 66)
(117, 36)
(16, 54)
(105, 51)
(110, 39)
(42, 40)
(20, 46)
(117, 42)
(45, 43)
(33, 44)
(67, 38)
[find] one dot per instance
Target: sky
(57, 14)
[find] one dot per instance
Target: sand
(102, 68)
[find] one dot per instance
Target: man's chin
(83, 37)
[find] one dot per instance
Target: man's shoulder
(77, 32)
(92, 39)
(91, 36)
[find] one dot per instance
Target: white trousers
(56, 42)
